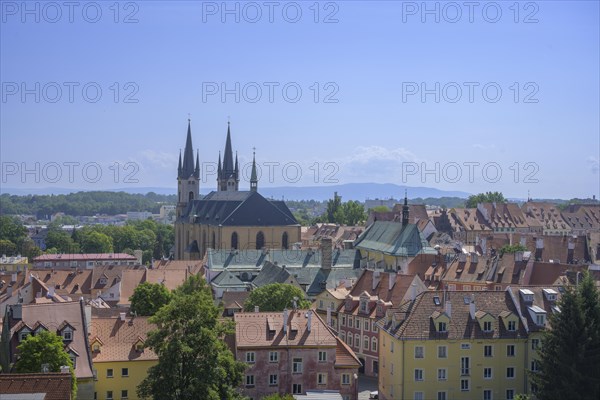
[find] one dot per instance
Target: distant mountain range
(349, 191)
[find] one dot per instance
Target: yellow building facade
(459, 345)
(118, 380)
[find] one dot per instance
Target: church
(227, 218)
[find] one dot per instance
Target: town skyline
(387, 89)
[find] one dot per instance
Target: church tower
(254, 175)
(228, 173)
(188, 176)
(405, 210)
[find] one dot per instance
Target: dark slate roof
(240, 208)
(271, 273)
(242, 259)
(393, 238)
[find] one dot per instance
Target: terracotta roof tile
(118, 339)
(56, 386)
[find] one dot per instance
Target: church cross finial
(189, 117)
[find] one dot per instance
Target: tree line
(83, 203)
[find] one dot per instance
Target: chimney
(285, 321)
(122, 316)
(376, 279)
(472, 307)
(483, 245)
(519, 256)
(328, 315)
(13, 277)
(326, 253)
(391, 280)
(256, 309)
(539, 243)
(413, 291)
(309, 322)
(449, 308)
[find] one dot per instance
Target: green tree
(511, 249)
(278, 396)
(44, 348)
(29, 249)
(193, 360)
(62, 241)
(148, 298)
(11, 229)
(565, 353)
(276, 297)
(487, 197)
(7, 247)
(591, 308)
(354, 212)
(333, 206)
(96, 242)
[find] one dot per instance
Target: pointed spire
(179, 168)
(197, 170)
(254, 176)
(228, 156)
(188, 154)
(219, 167)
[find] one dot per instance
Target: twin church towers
(228, 172)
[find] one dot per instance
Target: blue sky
(368, 121)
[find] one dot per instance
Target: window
(124, 395)
(109, 373)
(273, 380)
(442, 352)
(67, 334)
(366, 343)
(321, 304)
(250, 356)
(441, 327)
(23, 335)
(391, 368)
(273, 356)
(363, 306)
(357, 323)
(510, 350)
(464, 366)
(260, 240)
(297, 388)
(512, 326)
(350, 337)
(109, 395)
(487, 326)
(418, 374)
(441, 396)
(535, 366)
(442, 374)
(234, 240)
(510, 372)
(374, 328)
(322, 379)
(322, 356)
(391, 347)
(487, 351)
(419, 396)
(487, 394)
(464, 385)
(297, 366)
(284, 240)
(510, 394)
(96, 348)
(73, 358)
(350, 322)
(125, 372)
(487, 373)
(249, 380)
(540, 319)
(374, 344)
(535, 344)
(345, 379)
(419, 352)
(366, 325)
(465, 346)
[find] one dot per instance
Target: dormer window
(23, 334)
(540, 319)
(527, 295)
(363, 305)
(67, 334)
(96, 347)
(512, 326)
(538, 315)
(442, 327)
(103, 281)
(550, 294)
(487, 326)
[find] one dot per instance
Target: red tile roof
(56, 386)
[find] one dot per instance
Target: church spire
(188, 155)
(179, 168)
(253, 176)
(197, 170)
(236, 166)
(228, 156)
(405, 210)
(219, 167)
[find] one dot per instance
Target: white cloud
(594, 164)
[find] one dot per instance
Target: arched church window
(260, 240)
(234, 240)
(284, 240)
(213, 241)
(191, 196)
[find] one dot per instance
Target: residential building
(82, 261)
(373, 294)
(119, 358)
(293, 352)
(69, 319)
(13, 263)
(453, 345)
(329, 301)
(46, 386)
